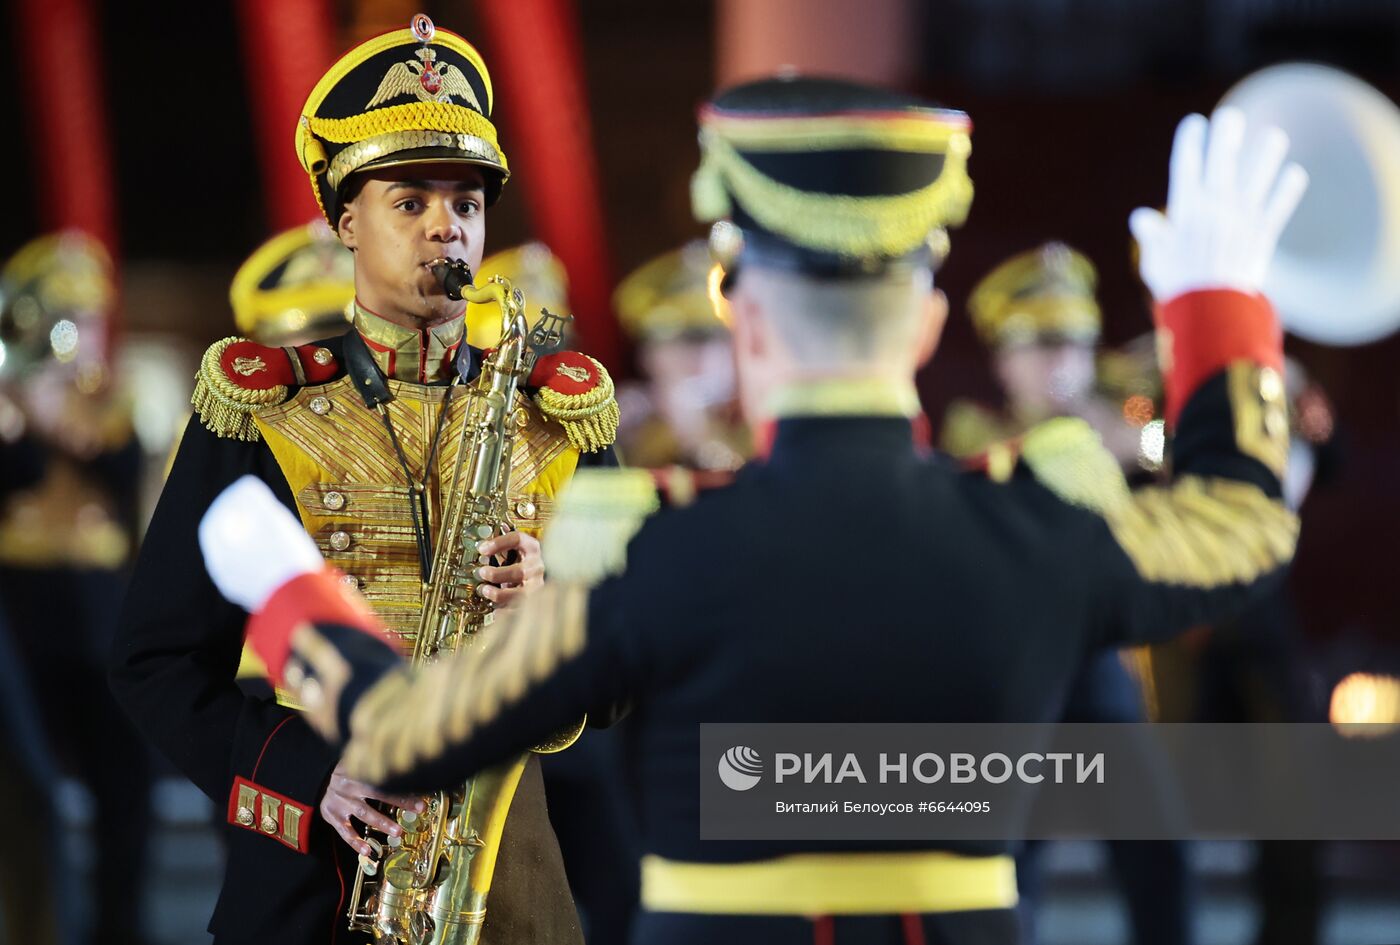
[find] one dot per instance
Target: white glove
(253, 544)
(1226, 206)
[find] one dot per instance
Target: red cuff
(265, 811)
(313, 597)
(1206, 331)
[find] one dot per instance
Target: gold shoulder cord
(589, 419)
(408, 717)
(225, 408)
(1199, 532)
(836, 223)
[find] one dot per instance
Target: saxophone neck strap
(364, 373)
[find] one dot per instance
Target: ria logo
(740, 768)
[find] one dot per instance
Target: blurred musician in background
(686, 412)
(294, 288)
(1038, 315)
(65, 542)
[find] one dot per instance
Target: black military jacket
(849, 579)
(173, 670)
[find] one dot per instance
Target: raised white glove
(1227, 204)
(253, 544)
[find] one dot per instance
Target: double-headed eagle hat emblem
(420, 95)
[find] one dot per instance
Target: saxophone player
(355, 433)
(991, 590)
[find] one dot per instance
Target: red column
(61, 72)
(537, 72)
(287, 47)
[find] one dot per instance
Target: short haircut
(836, 322)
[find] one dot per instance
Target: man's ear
(931, 332)
(749, 323)
(345, 227)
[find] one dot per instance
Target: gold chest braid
(350, 489)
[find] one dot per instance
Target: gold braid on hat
(836, 223)
(1046, 292)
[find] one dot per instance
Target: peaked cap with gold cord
(299, 284)
(1045, 293)
(415, 96)
(669, 296)
(830, 177)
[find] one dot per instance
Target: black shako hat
(830, 177)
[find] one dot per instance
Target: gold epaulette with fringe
(1199, 531)
(1068, 457)
(597, 515)
(577, 392)
(232, 384)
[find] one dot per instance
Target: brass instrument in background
(1335, 278)
(429, 886)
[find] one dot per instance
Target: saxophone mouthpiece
(454, 274)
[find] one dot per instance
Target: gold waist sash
(832, 884)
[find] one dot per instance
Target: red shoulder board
(576, 391)
(252, 366)
(567, 372)
(237, 377)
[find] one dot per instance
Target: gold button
(349, 580)
(320, 406)
(525, 508)
(340, 541)
(322, 356)
(335, 501)
(245, 816)
(1270, 385)
(522, 419)
(268, 825)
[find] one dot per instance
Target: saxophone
(429, 885)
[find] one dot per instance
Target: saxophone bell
(455, 276)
